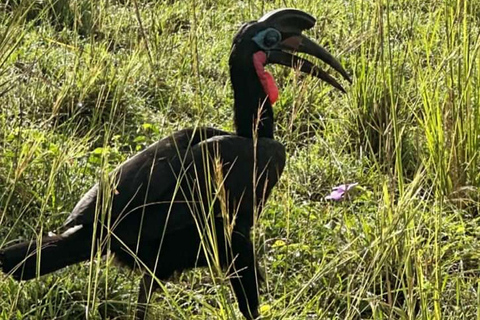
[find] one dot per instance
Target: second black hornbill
(191, 198)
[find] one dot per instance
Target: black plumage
(191, 197)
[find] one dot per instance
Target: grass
(85, 84)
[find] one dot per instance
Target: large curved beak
(300, 43)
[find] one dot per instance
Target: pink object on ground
(339, 192)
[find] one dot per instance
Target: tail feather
(26, 260)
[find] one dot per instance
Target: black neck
(250, 103)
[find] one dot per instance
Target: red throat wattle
(266, 79)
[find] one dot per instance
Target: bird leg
(146, 288)
(244, 278)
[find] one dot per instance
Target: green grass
(85, 84)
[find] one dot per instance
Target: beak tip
(346, 76)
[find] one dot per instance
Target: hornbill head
(270, 41)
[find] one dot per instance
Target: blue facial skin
(268, 39)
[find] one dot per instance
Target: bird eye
(272, 37)
(268, 38)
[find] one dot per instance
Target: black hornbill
(192, 197)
